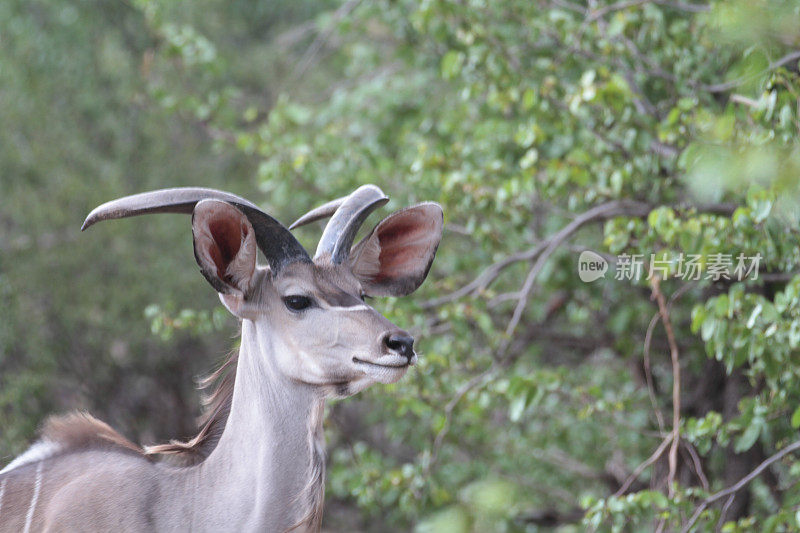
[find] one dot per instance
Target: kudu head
(311, 312)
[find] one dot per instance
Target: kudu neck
(263, 461)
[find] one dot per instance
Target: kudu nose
(401, 343)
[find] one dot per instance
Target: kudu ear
(394, 259)
(225, 248)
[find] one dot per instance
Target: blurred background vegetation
(544, 128)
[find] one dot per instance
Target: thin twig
(609, 209)
(740, 484)
(648, 338)
(569, 5)
(487, 276)
(322, 38)
(546, 247)
(643, 105)
(648, 375)
(698, 466)
(451, 405)
(629, 208)
(741, 99)
(655, 282)
(684, 6)
(724, 510)
(728, 85)
(603, 11)
(641, 468)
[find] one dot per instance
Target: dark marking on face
(342, 389)
(339, 298)
(333, 295)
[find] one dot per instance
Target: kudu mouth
(399, 353)
(387, 368)
(404, 364)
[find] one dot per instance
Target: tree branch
(683, 6)
(655, 282)
(728, 85)
(451, 405)
(547, 246)
(600, 213)
(322, 38)
(648, 375)
(641, 468)
(733, 489)
(606, 210)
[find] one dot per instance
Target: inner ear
(224, 246)
(394, 259)
(225, 243)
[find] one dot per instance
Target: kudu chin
(257, 462)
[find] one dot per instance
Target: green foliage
(84, 122)
(520, 118)
(165, 323)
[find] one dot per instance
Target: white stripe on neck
(2, 491)
(37, 486)
(39, 451)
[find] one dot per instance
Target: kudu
(257, 463)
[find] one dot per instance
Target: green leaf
(796, 418)
(516, 408)
(708, 328)
(753, 315)
(749, 437)
(451, 64)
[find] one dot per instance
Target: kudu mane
(80, 431)
(216, 408)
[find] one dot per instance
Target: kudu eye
(296, 302)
